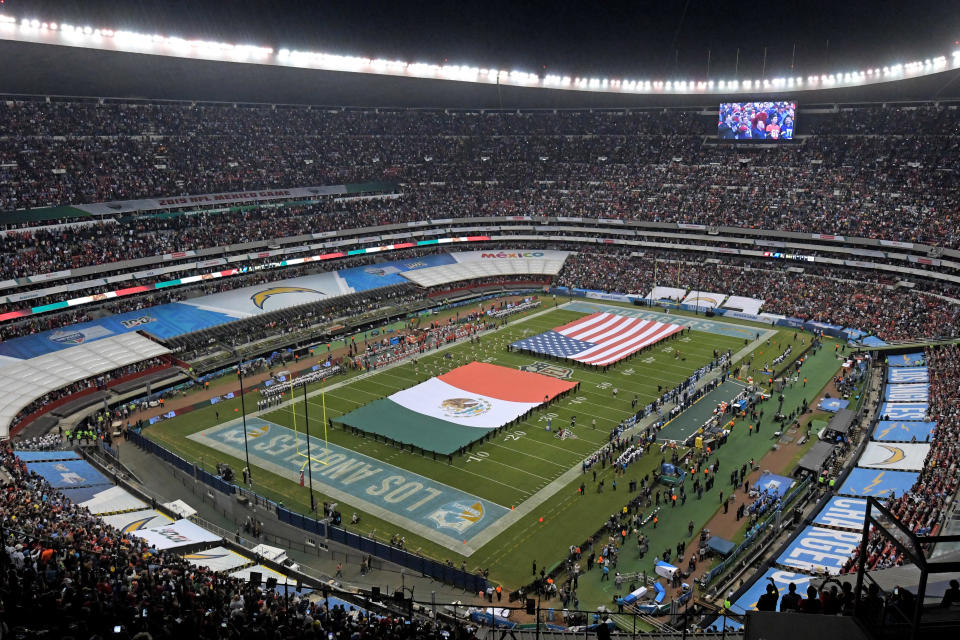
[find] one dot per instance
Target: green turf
(519, 462)
(699, 413)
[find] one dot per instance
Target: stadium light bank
(37, 31)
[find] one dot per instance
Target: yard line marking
(553, 462)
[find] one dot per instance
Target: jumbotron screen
(771, 121)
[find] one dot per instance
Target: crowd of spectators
(892, 313)
(66, 574)
(647, 165)
(924, 507)
(47, 442)
(98, 382)
(314, 316)
(855, 172)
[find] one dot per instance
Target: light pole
(697, 312)
(243, 414)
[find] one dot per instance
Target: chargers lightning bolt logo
(896, 455)
(876, 481)
(260, 297)
(458, 515)
(136, 525)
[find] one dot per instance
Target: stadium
(300, 342)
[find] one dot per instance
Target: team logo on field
(415, 265)
(68, 337)
(136, 322)
(204, 556)
(136, 525)
(464, 407)
(381, 271)
(256, 433)
(457, 515)
(896, 455)
(260, 297)
(548, 369)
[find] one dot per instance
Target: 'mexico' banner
(450, 411)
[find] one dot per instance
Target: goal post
(302, 448)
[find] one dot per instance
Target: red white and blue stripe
(599, 339)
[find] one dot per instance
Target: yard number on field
(478, 456)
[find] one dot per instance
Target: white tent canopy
(27, 380)
(180, 533)
(113, 500)
(180, 508)
(434, 276)
(667, 293)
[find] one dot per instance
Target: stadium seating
(853, 173)
(923, 509)
(69, 574)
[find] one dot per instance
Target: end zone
(431, 509)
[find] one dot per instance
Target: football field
(511, 498)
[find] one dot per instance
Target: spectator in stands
(811, 604)
(790, 600)
(952, 595)
(768, 601)
(64, 573)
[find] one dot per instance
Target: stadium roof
(841, 421)
(813, 459)
(58, 59)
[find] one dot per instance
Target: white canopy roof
(27, 380)
(434, 276)
(180, 508)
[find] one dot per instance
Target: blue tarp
(68, 473)
(34, 456)
(903, 375)
(904, 411)
(163, 321)
(907, 392)
(774, 483)
(878, 483)
(906, 360)
(845, 513)
(833, 404)
(895, 431)
(873, 341)
(384, 274)
(818, 549)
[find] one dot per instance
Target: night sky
(667, 39)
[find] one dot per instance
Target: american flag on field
(599, 339)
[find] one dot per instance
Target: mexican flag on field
(452, 410)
